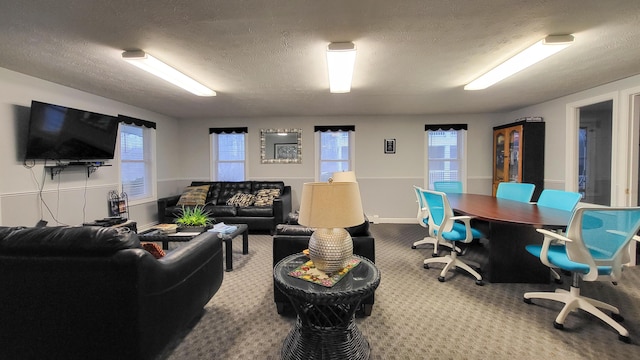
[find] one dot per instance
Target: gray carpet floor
(415, 316)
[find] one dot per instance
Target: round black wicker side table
(325, 328)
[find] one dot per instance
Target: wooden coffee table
(154, 235)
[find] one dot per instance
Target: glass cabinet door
(514, 155)
(498, 169)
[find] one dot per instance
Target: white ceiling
(266, 58)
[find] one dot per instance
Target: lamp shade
(331, 205)
(344, 176)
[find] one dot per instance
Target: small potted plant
(195, 219)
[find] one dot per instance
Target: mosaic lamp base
(330, 249)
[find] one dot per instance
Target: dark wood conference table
(510, 225)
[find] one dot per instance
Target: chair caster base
(617, 317)
(435, 255)
(558, 325)
(624, 339)
(426, 266)
(558, 281)
(414, 247)
(527, 301)
(441, 278)
(479, 282)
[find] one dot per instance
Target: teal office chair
(558, 199)
(441, 227)
(423, 220)
(595, 248)
(449, 187)
(562, 200)
(515, 191)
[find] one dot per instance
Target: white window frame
(215, 159)
(319, 161)
(462, 155)
(149, 160)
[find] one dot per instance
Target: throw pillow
(241, 199)
(264, 197)
(194, 195)
(154, 249)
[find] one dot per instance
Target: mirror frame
(263, 146)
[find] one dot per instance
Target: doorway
(595, 152)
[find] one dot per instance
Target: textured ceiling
(266, 58)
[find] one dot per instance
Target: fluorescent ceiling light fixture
(536, 52)
(148, 63)
(341, 58)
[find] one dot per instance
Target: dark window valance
(445, 127)
(138, 122)
(229, 130)
(335, 128)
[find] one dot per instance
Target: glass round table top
(360, 281)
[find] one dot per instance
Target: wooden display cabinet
(518, 154)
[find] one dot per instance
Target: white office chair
(561, 200)
(595, 248)
(515, 191)
(423, 220)
(442, 226)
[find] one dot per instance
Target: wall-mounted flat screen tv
(61, 133)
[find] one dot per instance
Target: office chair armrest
(553, 235)
(549, 237)
(634, 237)
(462, 218)
(466, 220)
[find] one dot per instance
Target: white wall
(183, 154)
(385, 179)
(71, 197)
(555, 115)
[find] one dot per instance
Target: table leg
(509, 261)
(228, 254)
(245, 242)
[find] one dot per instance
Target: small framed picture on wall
(389, 146)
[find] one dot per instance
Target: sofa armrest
(164, 203)
(282, 205)
(183, 262)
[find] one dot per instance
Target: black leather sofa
(292, 238)
(257, 218)
(94, 293)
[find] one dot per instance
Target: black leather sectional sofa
(258, 218)
(95, 293)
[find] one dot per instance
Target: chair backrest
(423, 212)
(515, 191)
(600, 237)
(558, 199)
(449, 187)
(441, 222)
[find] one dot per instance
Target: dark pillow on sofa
(264, 197)
(194, 195)
(65, 240)
(154, 249)
(241, 199)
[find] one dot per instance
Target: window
(136, 161)
(335, 151)
(228, 154)
(445, 155)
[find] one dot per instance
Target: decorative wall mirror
(281, 146)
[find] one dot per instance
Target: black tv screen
(61, 133)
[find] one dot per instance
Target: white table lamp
(329, 208)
